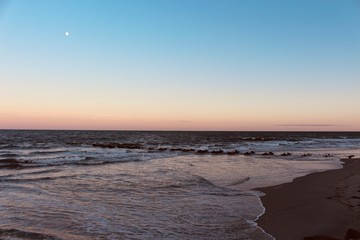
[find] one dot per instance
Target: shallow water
(58, 185)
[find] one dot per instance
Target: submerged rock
(249, 153)
(202, 151)
(233, 152)
(175, 149)
(217, 151)
(118, 145)
(10, 163)
(306, 155)
(285, 154)
(267, 154)
(188, 150)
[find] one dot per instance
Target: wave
(202, 185)
(43, 171)
(19, 234)
(8, 155)
(47, 152)
(240, 181)
(100, 158)
(17, 180)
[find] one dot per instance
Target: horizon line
(150, 130)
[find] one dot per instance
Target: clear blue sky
(199, 64)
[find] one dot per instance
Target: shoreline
(322, 203)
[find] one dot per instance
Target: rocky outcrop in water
(200, 151)
(268, 154)
(118, 145)
(285, 154)
(249, 153)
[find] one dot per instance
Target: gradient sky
(180, 64)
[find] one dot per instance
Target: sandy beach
(326, 203)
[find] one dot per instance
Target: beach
(326, 203)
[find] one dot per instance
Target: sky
(180, 65)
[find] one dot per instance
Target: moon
(67, 34)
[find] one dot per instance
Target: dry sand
(326, 203)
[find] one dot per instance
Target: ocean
(152, 185)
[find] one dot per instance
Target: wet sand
(326, 203)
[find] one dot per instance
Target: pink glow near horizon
(51, 121)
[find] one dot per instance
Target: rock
(9, 160)
(217, 151)
(202, 151)
(267, 154)
(233, 152)
(285, 154)
(256, 139)
(104, 145)
(188, 150)
(249, 153)
(175, 149)
(306, 155)
(129, 145)
(10, 163)
(118, 145)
